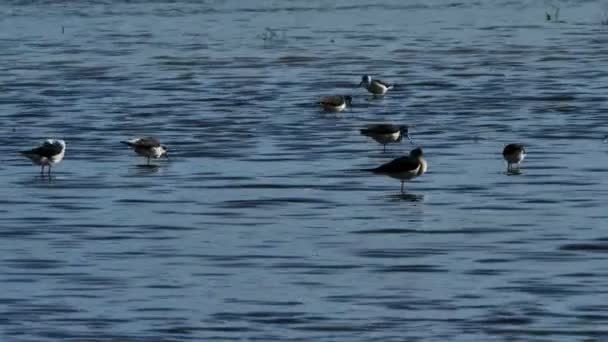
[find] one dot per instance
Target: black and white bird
(147, 147)
(514, 154)
(404, 168)
(387, 133)
(376, 87)
(336, 103)
(50, 153)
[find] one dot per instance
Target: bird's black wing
(147, 142)
(46, 150)
(402, 164)
(380, 129)
(388, 85)
(513, 148)
(332, 100)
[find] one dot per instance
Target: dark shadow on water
(145, 169)
(514, 172)
(44, 180)
(376, 97)
(405, 197)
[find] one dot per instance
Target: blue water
(261, 226)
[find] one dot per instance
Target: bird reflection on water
(405, 197)
(145, 170)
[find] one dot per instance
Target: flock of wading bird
(405, 168)
(413, 165)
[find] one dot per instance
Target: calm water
(261, 227)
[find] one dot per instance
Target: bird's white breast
(515, 158)
(377, 88)
(57, 158)
(405, 175)
(387, 138)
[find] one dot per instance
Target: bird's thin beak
(359, 85)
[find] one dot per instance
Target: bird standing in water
(386, 133)
(376, 87)
(50, 153)
(404, 168)
(147, 147)
(336, 103)
(514, 154)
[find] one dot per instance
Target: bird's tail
(373, 170)
(29, 154)
(128, 143)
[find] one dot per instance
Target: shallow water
(261, 226)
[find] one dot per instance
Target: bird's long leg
(402, 182)
(383, 147)
(42, 170)
(148, 160)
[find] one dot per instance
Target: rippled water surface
(262, 225)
